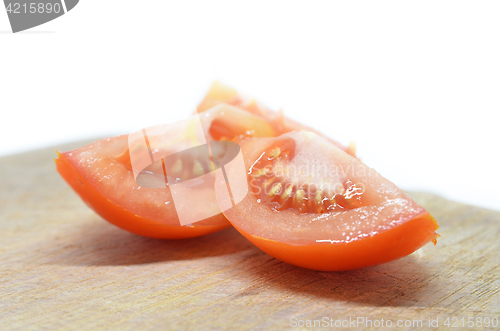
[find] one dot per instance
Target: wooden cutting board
(63, 267)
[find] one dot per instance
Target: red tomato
(101, 173)
(222, 94)
(313, 205)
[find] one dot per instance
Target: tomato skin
(389, 224)
(124, 218)
(380, 248)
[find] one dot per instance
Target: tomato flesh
(272, 185)
(100, 175)
(354, 222)
(225, 122)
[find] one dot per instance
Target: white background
(415, 84)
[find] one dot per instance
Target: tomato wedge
(101, 173)
(313, 205)
(222, 94)
(102, 176)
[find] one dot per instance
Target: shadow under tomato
(101, 244)
(401, 283)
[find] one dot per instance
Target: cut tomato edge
(122, 217)
(380, 248)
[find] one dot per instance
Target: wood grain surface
(63, 267)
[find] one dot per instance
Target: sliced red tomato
(226, 122)
(222, 94)
(101, 173)
(313, 205)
